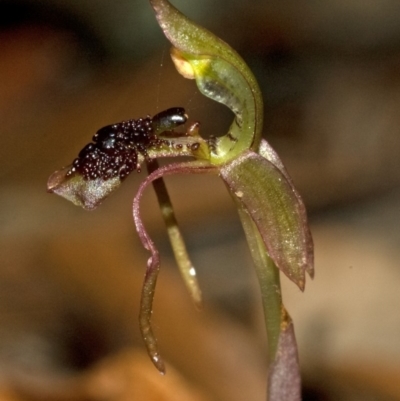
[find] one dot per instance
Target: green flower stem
(185, 265)
(268, 277)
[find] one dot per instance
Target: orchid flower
(270, 209)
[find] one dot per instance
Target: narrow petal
(153, 263)
(85, 193)
(284, 381)
(276, 209)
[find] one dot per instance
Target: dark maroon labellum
(115, 148)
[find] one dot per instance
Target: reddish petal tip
(85, 193)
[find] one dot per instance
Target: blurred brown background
(70, 280)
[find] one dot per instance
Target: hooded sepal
(220, 73)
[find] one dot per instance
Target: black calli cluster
(115, 149)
